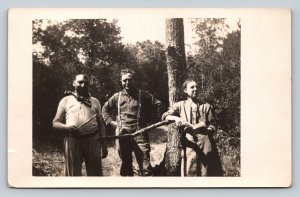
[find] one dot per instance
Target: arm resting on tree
(173, 114)
(173, 111)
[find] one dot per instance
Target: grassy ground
(48, 159)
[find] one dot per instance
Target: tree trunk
(172, 155)
(175, 55)
(176, 65)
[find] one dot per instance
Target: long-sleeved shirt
(129, 108)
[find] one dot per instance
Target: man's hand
(119, 131)
(104, 153)
(210, 130)
(72, 129)
(113, 124)
(179, 122)
(189, 130)
(199, 125)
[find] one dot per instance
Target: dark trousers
(141, 147)
(77, 150)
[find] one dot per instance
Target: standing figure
(79, 116)
(197, 122)
(128, 111)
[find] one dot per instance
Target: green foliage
(215, 64)
(149, 61)
(64, 49)
(47, 160)
(228, 145)
(81, 46)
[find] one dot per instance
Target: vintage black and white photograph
(114, 97)
(159, 94)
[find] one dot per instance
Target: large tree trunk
(176, 65)
(175, 54)
(172, 155)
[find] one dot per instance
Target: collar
(124, 92)
(133, 92)
(84, 97)
(190, 101)
(84, 100)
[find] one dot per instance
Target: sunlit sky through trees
(141, 29)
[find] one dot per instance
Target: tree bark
(172, 155)
(175, 55)
(176, 66)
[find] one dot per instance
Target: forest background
(95, 47)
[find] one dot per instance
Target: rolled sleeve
(61, 112)
(174, 110)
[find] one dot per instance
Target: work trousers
(195, 155)
(79, 149)
(140, 146)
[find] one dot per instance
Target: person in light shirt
(79, 116)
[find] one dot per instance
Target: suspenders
(119, 122)
(138, 112)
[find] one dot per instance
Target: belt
(78, 136)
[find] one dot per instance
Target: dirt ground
(48, 159)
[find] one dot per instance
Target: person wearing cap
(198, 123)
(128, 111)
(79, 116)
